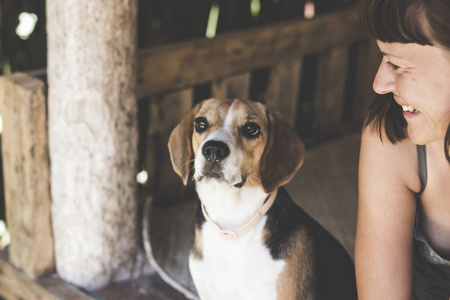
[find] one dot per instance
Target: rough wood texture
(284, 87)
(27, 173)
(183, 64)
(93, 139)
(232, 87)
(14, 285)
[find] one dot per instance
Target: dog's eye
(251, 130)
(201, 124)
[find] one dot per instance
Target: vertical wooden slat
(284, 83)
(369, 57)
(237, 86)
(14, 285)
(330, 91)
(166, 112)
(27, 173)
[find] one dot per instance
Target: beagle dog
(251, 241)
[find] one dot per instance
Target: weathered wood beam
(15, 285)
(26, 170)
(184, 64)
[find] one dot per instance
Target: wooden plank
(166, 111)
(233, 87)
(283, 91)
(15, 285)
(185, 64)
(27, 173)
(330, 91)
(369, 58)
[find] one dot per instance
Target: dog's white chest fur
(235, 269)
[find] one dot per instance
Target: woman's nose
(384, 81)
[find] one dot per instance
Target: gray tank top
(424, 247)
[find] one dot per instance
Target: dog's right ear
(180, 146)
(283, 155)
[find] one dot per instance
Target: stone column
(93, 139)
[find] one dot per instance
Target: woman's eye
(251, 130)
(392, 66)
(201, 124)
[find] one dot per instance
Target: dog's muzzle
(214, 153)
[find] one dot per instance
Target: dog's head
(236, 142)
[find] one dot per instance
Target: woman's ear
(180, 146)
(283, 155)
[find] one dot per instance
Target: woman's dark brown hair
(424, 22)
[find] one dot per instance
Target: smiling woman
(403, 234)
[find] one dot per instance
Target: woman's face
(419, 78)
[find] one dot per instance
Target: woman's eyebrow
(392, 55)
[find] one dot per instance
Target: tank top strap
(422, 164)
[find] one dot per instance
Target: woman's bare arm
(386, 211)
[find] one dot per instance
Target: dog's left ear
(283, 155)
(180, 146)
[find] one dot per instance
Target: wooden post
(93, 139)
(27, 173)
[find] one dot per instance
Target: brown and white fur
(243, 152)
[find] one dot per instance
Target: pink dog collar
(247, 225)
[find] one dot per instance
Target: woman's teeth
(408, 108)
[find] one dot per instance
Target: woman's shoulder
(378, 138)
(396, 160)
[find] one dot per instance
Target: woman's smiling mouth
(409, 108)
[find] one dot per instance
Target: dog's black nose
(215, 151)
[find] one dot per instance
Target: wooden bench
(317, 72)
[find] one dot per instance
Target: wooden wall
(317, 72)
